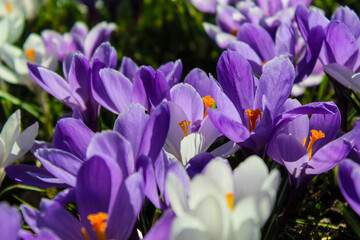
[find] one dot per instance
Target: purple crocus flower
(315, 147)
(108, 204)
(247, 113)
(349, 179)
(78, 39)
(76, 92)
(115, 90)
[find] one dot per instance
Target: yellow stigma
(9, 7)
(263, 63)
(252, 117)
(185, 126)
(230, 200)
(31, 54)
(234, 32)
(208, 101)
(315, 135)
(98, 222)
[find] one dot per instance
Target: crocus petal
(258, 39)
(62, 165)
(349, 18)
(156, 131)
(235, 131)
(343, 75)
(196, 164)
(30, 216)
(186, 97)
(176, 194)
(107, 54)
(53, 84)
(33, 176)
(205, 6)
(237, 80)
(97, 35)
(53, 216)
(126, 208)
(93, 190)
(10, 221)
(199, 80)
(9, 133)
(348, 178)
(172, 71)
(190, 146)
(73, 136)
(111, 145)
(285, 39)
(113, 91)
(129, 68)
(131, 124)
(161, 229)
(279, 72)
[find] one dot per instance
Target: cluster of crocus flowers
(168, 147)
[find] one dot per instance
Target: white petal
(186, 228)
(10, 131)
(23, 143)
(225, 150)
(7, 75)
(220, 172)
(209, 132)
(176, 194)
(190, 146)
(249, 177)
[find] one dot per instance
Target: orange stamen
(230, 200)
(208, 101)
(315, 135)
(31, 54)
(98, 222)
(252, 117)
(9, 7)
(263, 63)
(234, 32)
(185, 126)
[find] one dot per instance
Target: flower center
(208, 101)
(9, 7)
(230, 200)
(185, 126)
(98, 222)
(234, 32)
(263, 63)
(315, 135)
(252, 117)
(31, 54)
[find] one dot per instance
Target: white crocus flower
(33, 51)
(11, 29)
(19, 8)
(14, 145)
(222, 204)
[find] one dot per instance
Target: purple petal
(33, 176)
(30, 216)
(340, 45)
(199, 80)
(54, 217)
(128, 68)
(208, 6)
(235, 131)
(93, 190)
(107, 54)
(52, 83)
(172, 71)
(131, 124)
(349, 18)
(139, 94)
(186, 97)
(258, 39)
(145, 165)
(198, 163)
(73, 136)
(113, 91)
(279, 72)
(161, 229)
(124, 213)
(97, 35)
(342, 74)
(285, 39)
(114, 147)
(155, 131)
(349, 178)
(62, 165)
(237, 80)
(10, 222)
(247, 52)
